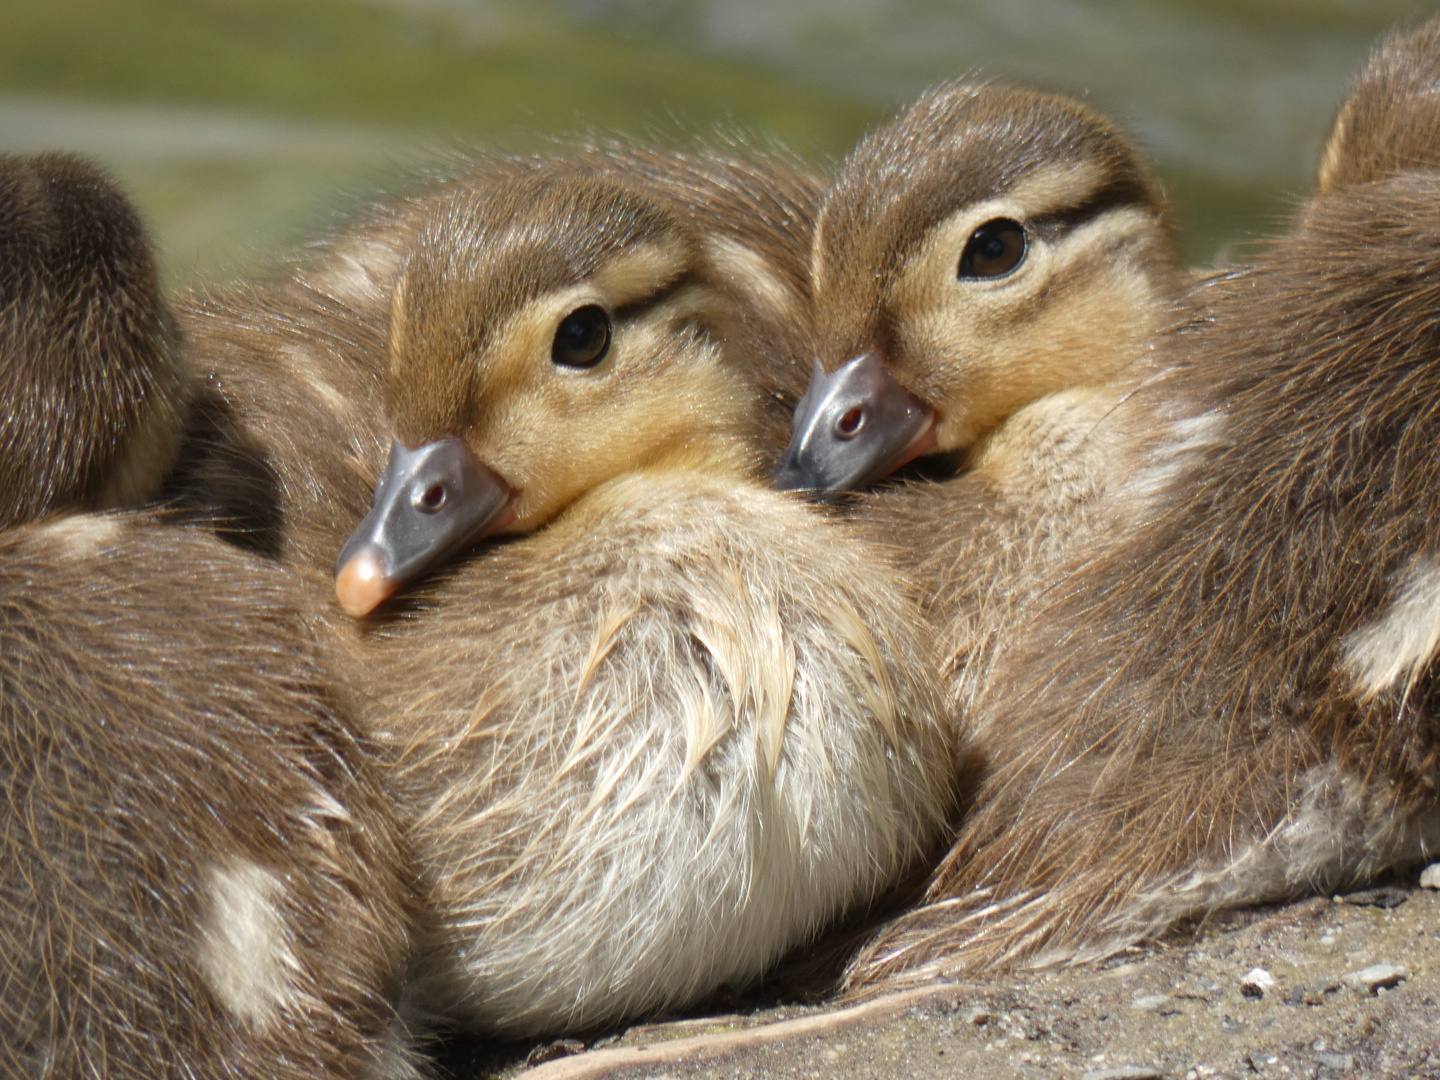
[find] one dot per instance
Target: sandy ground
(1191, 1008)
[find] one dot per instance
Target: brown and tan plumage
(198, 874)
(684, 722)
(94, 396)
(291, 435)
(1233, 699)
(990, 267)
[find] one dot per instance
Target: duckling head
(986, 248)
(548, 333)
(1390, 121)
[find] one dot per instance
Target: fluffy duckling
(94, 397)
(681, 722)
(198, 875)
(989, 270)
(1236, 700)
(290, 432)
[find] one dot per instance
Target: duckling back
(90, 374)
(198, 875)
(1388, 124)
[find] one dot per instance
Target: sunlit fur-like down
(1389, 123)
(198, 875)
(92, 391)
(653, 747)
(1233, 698)
(1022, 367)
(686, 723)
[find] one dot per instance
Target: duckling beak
(853, 427)
(431, 503)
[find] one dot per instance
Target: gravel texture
(1352, 989)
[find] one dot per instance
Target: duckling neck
(695, 462)
(718, 453)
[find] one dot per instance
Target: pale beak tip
(361, 585)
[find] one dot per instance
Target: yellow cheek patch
(558, 432)
(1073, 315)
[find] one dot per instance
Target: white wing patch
(1395, 648)
(1170, 460)
(243, 952)
(82, 536)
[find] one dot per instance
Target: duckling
(94, 395)
(679, 722)
(198, 875)
(988, 272)
(290, 433)
(1235, 698)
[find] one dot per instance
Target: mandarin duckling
(1234, 699)
(678, 724)
(94, 394)
(989, 269)
(988, 248)
(189, 829)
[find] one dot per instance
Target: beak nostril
(849, 425)
(431, 499)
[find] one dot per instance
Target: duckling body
(658, 744)
(999, 261)
(1234, 700)
(683, 722)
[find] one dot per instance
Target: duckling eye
(583, 337)
(994, 249)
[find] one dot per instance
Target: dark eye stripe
(1119, 193)
(583, 337)
(659, 296)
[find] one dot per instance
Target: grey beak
(431, 503)
(852, 428)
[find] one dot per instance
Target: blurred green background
(242, 125)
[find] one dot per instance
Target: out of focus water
(237, 123)
(1230, 97)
